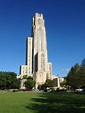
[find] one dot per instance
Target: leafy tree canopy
(76, 76)
(29, 84)
(8, 80)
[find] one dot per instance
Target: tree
(76, 76)
(48, 83)
(29, 84)
(8, 80)
(83, 62)
(64, 83)
(82, 75)
(76, 67)
(72, 78)
(16, 84)
(24, 76)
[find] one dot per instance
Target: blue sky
(65, 26)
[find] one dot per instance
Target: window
(42, 62)
(40, 35)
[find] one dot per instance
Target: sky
(65, 32)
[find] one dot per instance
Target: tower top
(38, 15)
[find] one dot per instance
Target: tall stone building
(37, 64)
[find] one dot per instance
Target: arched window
(42, 62)
(40, 35)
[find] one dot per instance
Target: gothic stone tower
(37, 64)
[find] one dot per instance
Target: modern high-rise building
(37, 64)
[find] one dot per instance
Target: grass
(33, 102)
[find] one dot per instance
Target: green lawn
(32, 102)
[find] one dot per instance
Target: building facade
(37, 64)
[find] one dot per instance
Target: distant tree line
(76, 76)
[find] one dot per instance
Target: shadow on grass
(58, 103)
